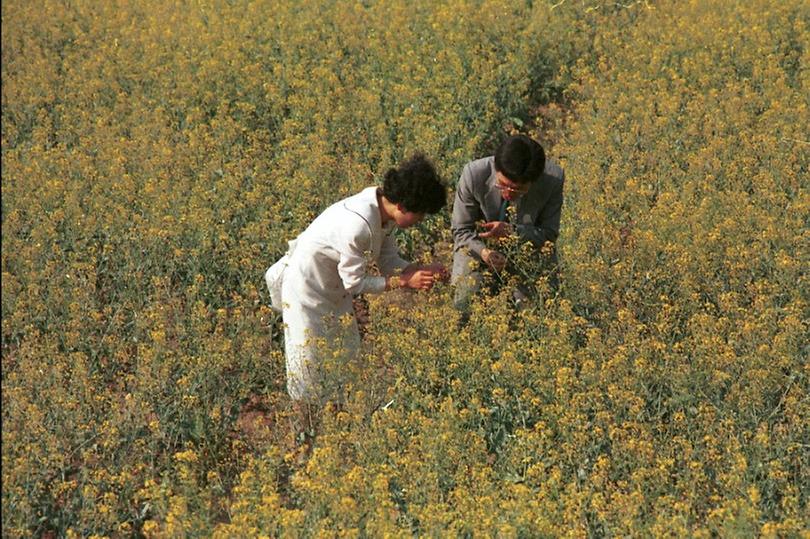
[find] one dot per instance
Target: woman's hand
(439, 271)
(418, 279)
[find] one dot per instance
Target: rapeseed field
(156, 158)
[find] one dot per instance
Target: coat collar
(366, 205)
(493, 194)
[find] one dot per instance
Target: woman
(314, 283)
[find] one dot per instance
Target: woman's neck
(386, 208)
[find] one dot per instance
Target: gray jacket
(477, 199)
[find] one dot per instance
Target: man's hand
(493, 259)
(495, 229)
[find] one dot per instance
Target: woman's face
(404, 218)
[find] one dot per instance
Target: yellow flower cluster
(158, 156)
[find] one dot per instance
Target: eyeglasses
(516, 191)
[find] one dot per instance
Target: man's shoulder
(553, 173)
(478, 171)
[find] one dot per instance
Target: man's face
(510, 190)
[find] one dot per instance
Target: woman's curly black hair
(416, 185)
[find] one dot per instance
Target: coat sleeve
(354, 252)
(547, 225)
(390, 262)
(466, 212)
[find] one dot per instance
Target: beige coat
(314, 283)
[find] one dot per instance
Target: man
(329, 263)
(518, 175)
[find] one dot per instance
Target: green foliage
(156, 159)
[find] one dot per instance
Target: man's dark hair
(416, 185)
(520, 159)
